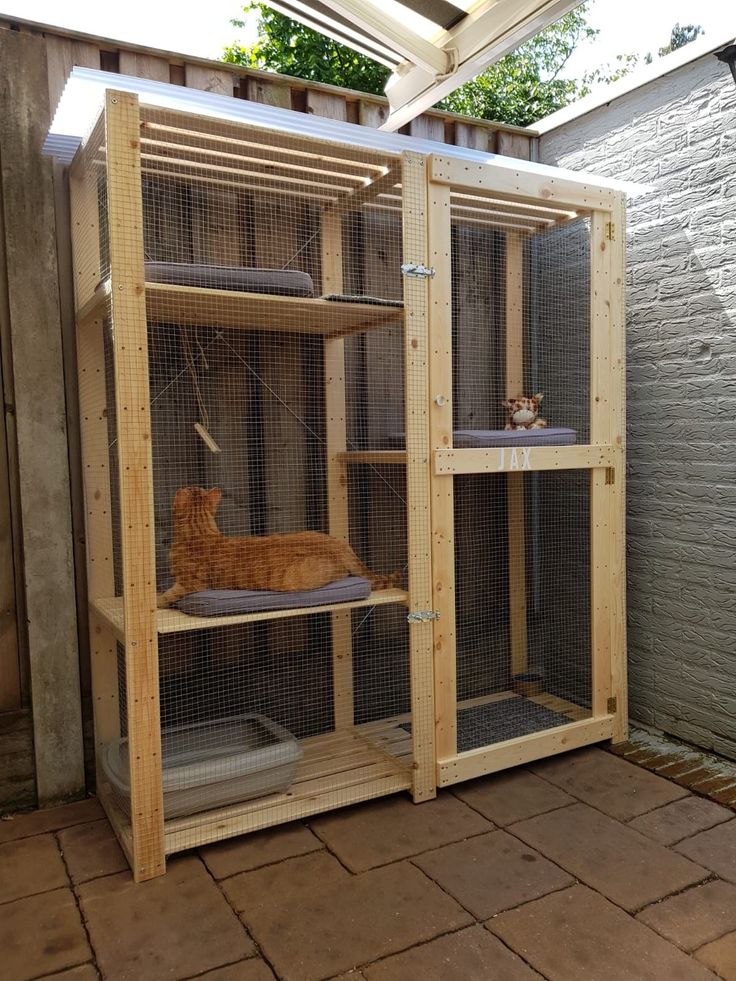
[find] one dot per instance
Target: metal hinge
(422, 615)
(610, 231)
(418, 270)
(612, 705)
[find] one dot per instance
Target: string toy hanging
(203, 426)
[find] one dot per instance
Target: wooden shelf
(172, 621)
(338, 768)
(397, 457)
(198, 306)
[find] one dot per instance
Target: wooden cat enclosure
(325, 329)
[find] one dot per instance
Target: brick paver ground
(581, 868)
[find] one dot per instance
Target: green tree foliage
(288, 47)
(521, 88)
(680, 35)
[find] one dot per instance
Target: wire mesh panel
(521, 361)
(500, 696)
(521, 326)
(277, 503)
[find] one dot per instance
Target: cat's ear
(213, 498)
(181, 500)
(539, 396)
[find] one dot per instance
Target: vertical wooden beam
(98, 527)
(30, 325)
(337, 478)
(442, 487)
(515, 481)
(416, 346)
(601, 541)
(132, 397)
(617, 490)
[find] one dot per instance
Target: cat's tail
(357, 568)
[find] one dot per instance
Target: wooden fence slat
(326, 104)
(144, 66)
(209, 79)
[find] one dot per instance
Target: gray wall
(678, 134)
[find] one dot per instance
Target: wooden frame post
(337, 478)
(619, 690)
(515, 481)
(130, 348)
(442, 487)
(98, 527)
(416, 347)
(601, 394)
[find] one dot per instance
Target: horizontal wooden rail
(507, 459)
(515, 752)
(519, 185)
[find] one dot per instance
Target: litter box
(211, 764)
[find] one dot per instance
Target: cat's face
(188, 500)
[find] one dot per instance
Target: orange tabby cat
(203, 558)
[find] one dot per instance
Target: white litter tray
(211, 764)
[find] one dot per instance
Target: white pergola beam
(395, 35)
(490, 31)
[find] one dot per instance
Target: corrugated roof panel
(84, 93)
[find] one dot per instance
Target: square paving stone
(254, 969)
(577, 935)
(263, 848)
(170, 927)
(720, 956)
(85, 972)
(394, 828)
(694, 917)
(715, 849)
(492, 873)
(258, 888)
(609, 783)
(50, 819)
(508, 797)
(91, 850)
(469, 955)
(316, 930)
(41, 934)
(625, 866)
(29, 866)
(681, 819)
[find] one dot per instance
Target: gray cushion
(466, 438)
(228, 602)
(376, 301)
(281, 282)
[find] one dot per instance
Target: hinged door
(527, 520)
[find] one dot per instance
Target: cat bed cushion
(279, 282)
(464, 439)
(467, 438)
(376, 301)
(229, 602)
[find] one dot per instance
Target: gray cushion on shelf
(280, 282)
(377, 301)
(229, 602)
(464, 439)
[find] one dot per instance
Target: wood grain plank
(132, 397)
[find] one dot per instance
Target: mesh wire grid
(295, 408)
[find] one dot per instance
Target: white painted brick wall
(677, 133)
